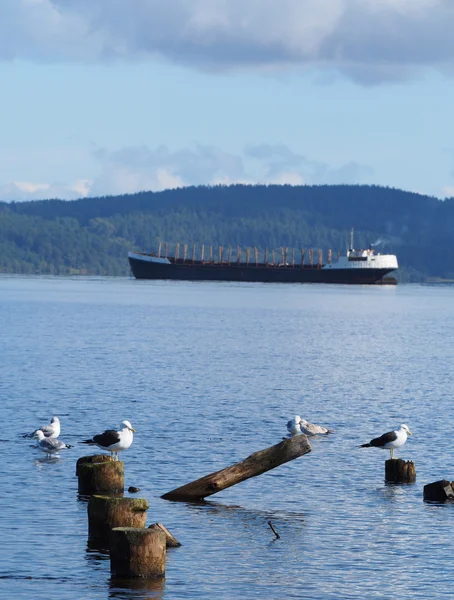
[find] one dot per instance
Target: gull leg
(391, 450)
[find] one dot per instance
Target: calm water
(207, 374)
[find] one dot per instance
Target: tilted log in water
(256, 464)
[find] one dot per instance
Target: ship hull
(197, 271)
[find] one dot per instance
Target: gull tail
(68, 445)
(365, 446)
(91, 442)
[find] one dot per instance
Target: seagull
(50, 431)
(114, 441)
(299, 425)
(312, 429)
(390, 440)
(49, 445)
(293, 426)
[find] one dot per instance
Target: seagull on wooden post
(114, 441)
(390, 440)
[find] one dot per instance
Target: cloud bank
(138, 168)
(369, 41)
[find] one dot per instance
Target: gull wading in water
(390, 440)
(49, 445)
(50, 431)
(114, 441)
(298, 425)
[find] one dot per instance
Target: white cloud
(139, 168)
(19, 191)
(448, 191)
(368, 40)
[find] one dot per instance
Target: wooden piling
(202, 253)
(211, 254)
(159, 249)
(105, 513)
(256, 464)
(137, 553)
(248, 251)
(320, 258)
(185, 252)
(302, 257)
(439, 491)
(100, 474)
(400, 471)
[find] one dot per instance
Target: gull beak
(409, 432)
(132, 429)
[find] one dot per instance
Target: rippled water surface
(209, 373)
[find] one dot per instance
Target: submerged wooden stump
(256, 464)
(105, 513)
(439, 491)
(399, 471)
(171, 540)
(137, 553)
(100, 474)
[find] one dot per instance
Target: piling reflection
(145, 589)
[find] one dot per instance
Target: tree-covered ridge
(93, 235)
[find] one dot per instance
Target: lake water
(209, 373)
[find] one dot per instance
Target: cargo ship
(363, 266)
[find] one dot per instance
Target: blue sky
(113, 96)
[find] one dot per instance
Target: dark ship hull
(146, 267)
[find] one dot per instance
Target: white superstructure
(364, 259)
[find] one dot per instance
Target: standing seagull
(390, 440)
(114, 441)
(293, 426)
(50, 431)
(49, 445)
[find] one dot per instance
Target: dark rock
(133, 490)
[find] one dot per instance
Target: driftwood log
(137, 553)
(105, 513)
(439, 491)
(100, 474)
(256, 464)
(399, 471)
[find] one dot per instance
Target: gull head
(405, 428)
(39, 434)
(55, 420)
(127, 425)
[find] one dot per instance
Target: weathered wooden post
(400, 471)
(256, 464)
(330, 255)
(185, 252)
(248, 251)
(439, 491)
(100, 474)
(106, 512)
(202, 255)
(211, 254)
(159, 249)
(320, 258)
(137, 553)
(302, 257)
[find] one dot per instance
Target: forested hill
(93, 235)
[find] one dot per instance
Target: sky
(105, 97)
